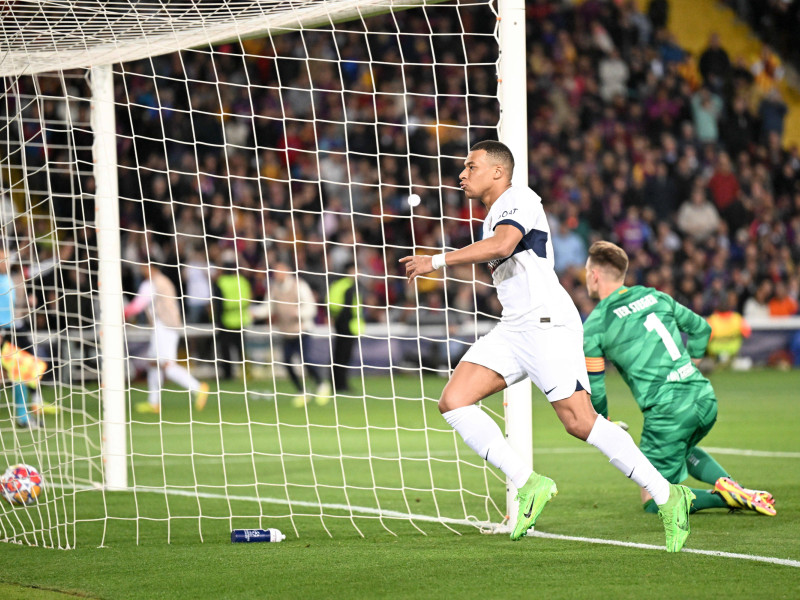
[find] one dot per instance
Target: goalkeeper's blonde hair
(610, 257)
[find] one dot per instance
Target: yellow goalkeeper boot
(201, 397)
(324, 393)
(146, 407)
(738, 497)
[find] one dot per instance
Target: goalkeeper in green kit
(638, 329)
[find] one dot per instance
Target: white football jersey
(527, 285)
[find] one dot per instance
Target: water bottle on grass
(257, 535)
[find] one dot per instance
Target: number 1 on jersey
(653, 323)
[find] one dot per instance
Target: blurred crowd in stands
(775, 21)
(679, 159)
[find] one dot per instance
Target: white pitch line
(755, 453)
(141, 460)
(786, 562)
(474, 522)
(198, 457)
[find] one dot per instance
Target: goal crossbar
(93, 33)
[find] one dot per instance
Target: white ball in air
(414, 200)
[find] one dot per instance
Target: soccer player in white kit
(539, 336)
(158, 297)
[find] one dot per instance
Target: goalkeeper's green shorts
(680, 418)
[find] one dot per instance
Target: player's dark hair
(497, 152)
(609, 256)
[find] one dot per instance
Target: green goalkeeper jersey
(639, 329)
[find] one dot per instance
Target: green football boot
(675, 515)
(532, 497)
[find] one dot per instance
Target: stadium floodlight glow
(203, 138)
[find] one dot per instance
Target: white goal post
(241, 138)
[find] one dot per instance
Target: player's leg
(312, 370)
(342, 352)
(155, 379)
(487, 368)
(323, 391)
(581, 421)
(21, 406)
(168, 341)
(178, 374)
(556, 364)
(226, 339)
(469, 384)
(703, 467)
(726, 492)
(20, 390)
(554, 361)
(291, 348)
(675, 421)
(674, 501)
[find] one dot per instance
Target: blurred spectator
(159, 299)
(757, 305)
(569, 250)
(196, 277)
(728, 330)
(632, 233)
(782, 304)
(345, 310)
(706, 111)
(698, 218)
(232, 296)
(723, 185)
(668, 48)
(715, 65)
(767, 70)
(290, 309)
(775, 22)
(658, 11)
(22, 417)
(613, 73)
(772, 111)
(739, 128)
(661, 192)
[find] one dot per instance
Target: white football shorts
(551, 357)
(164, 344)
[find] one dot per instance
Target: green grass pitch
(755, 438)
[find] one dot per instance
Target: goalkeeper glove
(621, 424)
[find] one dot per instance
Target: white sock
(623, 453)
(182, 377)
(154, 381)
(482, 434)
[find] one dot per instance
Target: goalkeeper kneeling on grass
(638, 329)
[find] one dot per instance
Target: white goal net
(201, 244)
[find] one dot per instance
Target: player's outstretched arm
(142, 300)
(500, 245)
